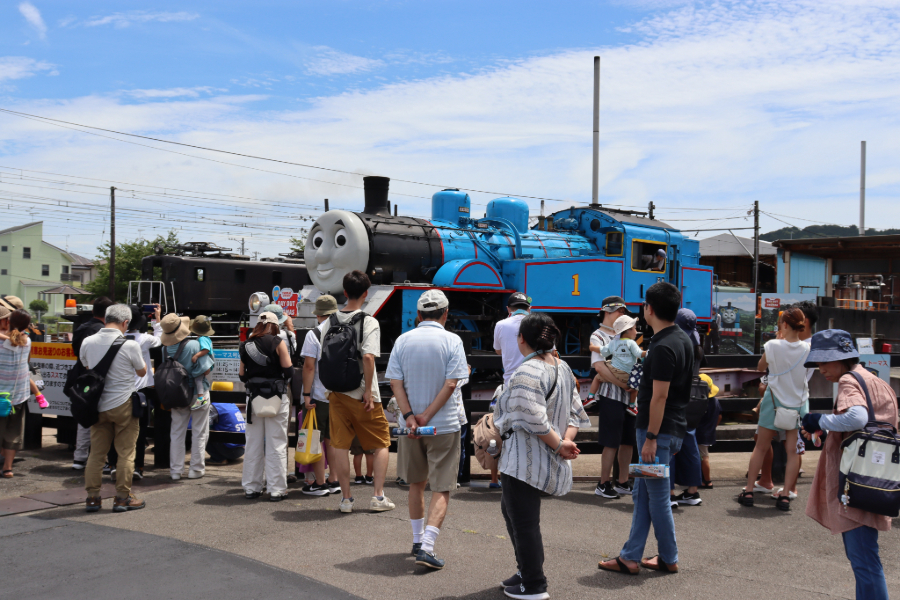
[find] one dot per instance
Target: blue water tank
(511, 209)
(450, 205)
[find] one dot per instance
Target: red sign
(287, 300)
(772, 302)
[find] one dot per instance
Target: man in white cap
(425, 366)
(655, 261)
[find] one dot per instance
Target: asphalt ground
(201, 537)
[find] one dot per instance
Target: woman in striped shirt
(541, 411)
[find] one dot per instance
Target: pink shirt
(823, 505)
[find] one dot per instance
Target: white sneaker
(385, 504)
(347, 505)
(195, 474)
(176, 476)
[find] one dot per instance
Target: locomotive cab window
(240, 275)
(614, 243)
(199, 274)
(648, 256)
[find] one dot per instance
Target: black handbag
(698, 403)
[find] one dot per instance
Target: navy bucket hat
(687, 321)
(829, 346)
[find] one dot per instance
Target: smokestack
(862, 190)
(595, 191)
(376, 193)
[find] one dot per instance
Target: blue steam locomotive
(566, 263)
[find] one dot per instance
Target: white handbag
(265, 407)
(786, 418)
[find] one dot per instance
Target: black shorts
(322, 420)
(616, 425)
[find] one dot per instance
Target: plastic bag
(309, 444)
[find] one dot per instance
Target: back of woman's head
(262, 329)
(539, 331)
(794, 318)
(19, 321)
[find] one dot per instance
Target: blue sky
(704, 105)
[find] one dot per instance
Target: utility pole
(112, 244)
(757, 322)
(650, 209)
(595, 191)
(862, 189)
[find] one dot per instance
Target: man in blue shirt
(225, 417)
(425, 366)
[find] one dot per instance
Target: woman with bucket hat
(174, 331)
(833, 352)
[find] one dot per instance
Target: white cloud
(125, 19)
(193, 92)
(33, 16)
(19, 67)
(328, 61)
(716, 106)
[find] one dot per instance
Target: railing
(860, 304)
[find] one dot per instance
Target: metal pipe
(862, 189)
(595, 190)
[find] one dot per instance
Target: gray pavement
(179, 542)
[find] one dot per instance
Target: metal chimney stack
(595, 193)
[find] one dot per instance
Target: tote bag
(309, 445)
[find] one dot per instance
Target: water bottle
(492, 449)
(398, 431)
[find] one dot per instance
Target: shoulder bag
(264, 393)
(869, 476)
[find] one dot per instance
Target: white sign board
(54, 361)
(228, 365)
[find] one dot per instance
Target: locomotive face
(337, 244)
(729, 316)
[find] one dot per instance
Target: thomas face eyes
(340, 238)
(318, 239)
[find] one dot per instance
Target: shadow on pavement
(386, 565)
(232, 498)
(307, 515)
(491, 593)
(614, 581)
(758, 512)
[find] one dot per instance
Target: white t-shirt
(506, 333)
(787, 375)
(312, 348)
(146, 341)
(601, 337)
(371, 344)
(121, 375)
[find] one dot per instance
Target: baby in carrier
(622, 353)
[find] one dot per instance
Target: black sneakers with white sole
(605, 490)
(688, 499)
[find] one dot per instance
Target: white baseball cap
(432, 300)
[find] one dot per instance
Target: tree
(128, 264)
(298, 244)
(38, 307)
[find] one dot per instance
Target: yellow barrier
(222, 386)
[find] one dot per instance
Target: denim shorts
(767, 411)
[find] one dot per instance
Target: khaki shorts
(434, 458)
(619, 373)
(349, 419)
(12, 428)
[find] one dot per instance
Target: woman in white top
(787, 390)
(14, 383)
(541, 411)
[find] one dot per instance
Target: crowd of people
(641, 395)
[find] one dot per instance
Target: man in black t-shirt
(661, 424)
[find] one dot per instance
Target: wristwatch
(306, 394)
(651, 435)
(408, 415)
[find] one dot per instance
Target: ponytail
(539, 331)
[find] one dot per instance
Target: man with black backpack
(351, 340)
(116, 423)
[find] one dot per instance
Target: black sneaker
(587, 404)
(624, 488)
(688, 498)
(673, 502)
(78, 465)
(605, 490)
(416, 547)
(524, 592)
(334, 487)
(360, 480)
(252, 495)
(106, 469)
(369, 480)
(314, 489)
(512, 581)
(138, 475)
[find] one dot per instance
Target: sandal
(622, 568)
(745, 498)
(707, 485)
(7, 474)
(660, 565)
(783, 503)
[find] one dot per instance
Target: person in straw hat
(175, 331)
